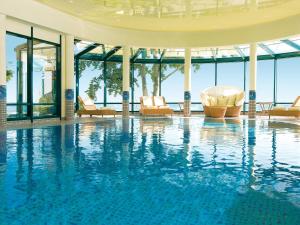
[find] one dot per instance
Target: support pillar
(187, 82)
(2, 72)
(69, 92)
(252, 80)
(126, 80)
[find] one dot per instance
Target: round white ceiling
(178, 15)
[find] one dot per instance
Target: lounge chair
(222, 101)
(87, 107)
(293, 111)
(154, 105)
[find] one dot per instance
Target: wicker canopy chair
(87, 107)
(293, 111)
(154, 105)
(222, 101)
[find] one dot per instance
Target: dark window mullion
(30, 76)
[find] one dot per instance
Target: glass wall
(265, 81)
(16, 76)
(288, 80)
(33, 80)
(231, 74)
(203, 76)
(146, 81)
(114, 85)
(45, 79)
(172, 84)
(146, 78)
(91, 81)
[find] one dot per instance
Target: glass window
(16, 76)
(288, 79)
(265, 80)
(114, 85)
(203, 76)
(91, 81)
(45, 79)
(172, 84)
(231, 74)
(146, 81)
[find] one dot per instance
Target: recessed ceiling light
(120, 12)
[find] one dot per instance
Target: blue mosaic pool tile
(158, 176)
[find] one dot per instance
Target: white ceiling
(178, 15)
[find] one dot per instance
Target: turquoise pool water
(152, 171)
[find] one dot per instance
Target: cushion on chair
(212, 101)
(297, 103)
(90, 107)
(159, 101)
(294, 108)
(279, 108)
(205, 100)
(222, 100)
(89, 104)
(239, 99)
(231, 100)
(147, 101)
(88, 101)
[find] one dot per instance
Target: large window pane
(114, 85)
(16, 53)
(265, 81)
(146, 81)
(203, 76)
(288, 72)
(231, 74)
(91, 81)
(44, 79)
(172, 84)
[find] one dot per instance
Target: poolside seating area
(293, 111)
(87, 107)
(154, 106)
(222, 101)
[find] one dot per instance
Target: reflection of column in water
(69, 136)
(20, 143)
(186, 154)
(77, 152)
(3, 154)
(274, 149)
(29, 156)
(186, 138)
(251, 148)
(57, 143)
(244, 146)
(125, 140)
(3, 150)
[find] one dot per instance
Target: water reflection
(237, 157)
(3, 150)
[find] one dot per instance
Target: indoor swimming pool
(152, 171)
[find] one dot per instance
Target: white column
(253, 66)
(252, 80)
(2, 71)
(126, 80)
(63, 75)
(69, 92)
(187, 81)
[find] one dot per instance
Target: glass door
(45, 79)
